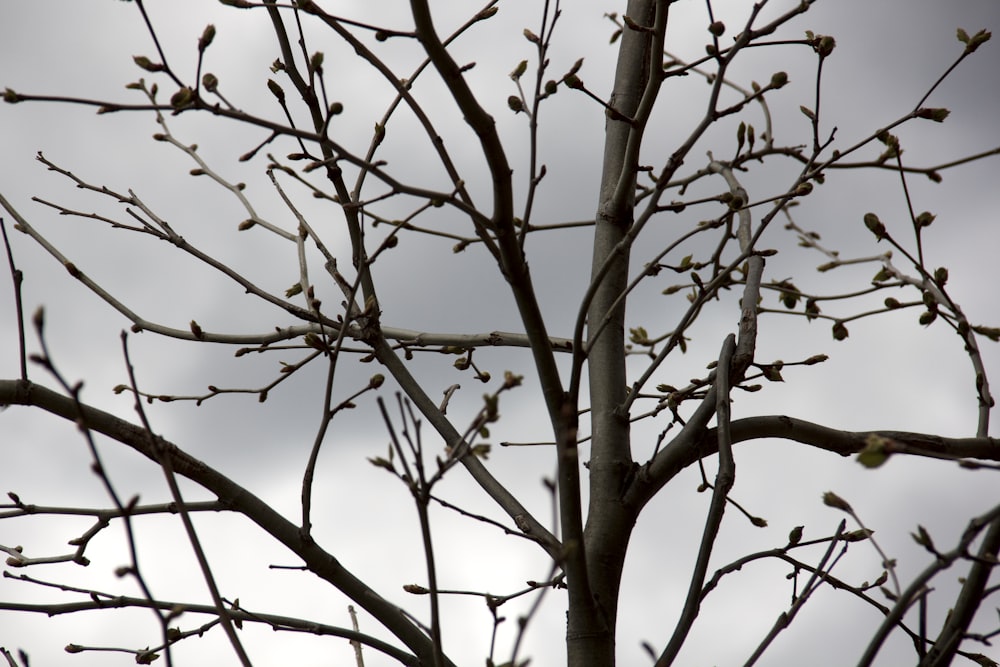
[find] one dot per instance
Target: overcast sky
(890, 373)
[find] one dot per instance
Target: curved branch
(693, 445)
(275, 621)
(316, 559)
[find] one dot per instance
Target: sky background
(890, 373)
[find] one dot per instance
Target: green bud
(210, 81)
(875, 225)
(276, 90)
(206, 38)
(147, 64)
(519, 70)
(935, 114)
(831, 499)
(182, 98)
(316, 62)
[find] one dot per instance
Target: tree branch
(316, 559)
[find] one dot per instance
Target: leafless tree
(696, 216)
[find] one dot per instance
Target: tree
(390, 158)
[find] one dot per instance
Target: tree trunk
(609, 522)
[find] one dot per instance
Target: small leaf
(627, 20)
(380, 462)
(923, 538)
(858, 535)
(882, 276)
(519, 70)
(993, 333)
(876, 452)
(772, 374)
(974, 42)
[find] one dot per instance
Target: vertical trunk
(609, 523)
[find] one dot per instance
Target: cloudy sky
(890, 373)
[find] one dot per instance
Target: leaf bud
(316, 62)
(206, 38)
(519, 70)
(182, 98)
(276, 90)
(831, 499)
(210, 81)
(935, 114)
(875, 225)
(147, 64)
